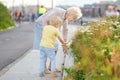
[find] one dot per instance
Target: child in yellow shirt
(49, 35)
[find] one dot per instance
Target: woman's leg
(37, 36)
(42, 60)
(56, 46)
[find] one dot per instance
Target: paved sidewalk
(27, 68)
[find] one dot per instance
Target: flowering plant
(97, 52)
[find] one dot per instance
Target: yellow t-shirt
(49, 36)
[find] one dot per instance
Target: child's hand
(65, 48)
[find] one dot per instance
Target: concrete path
(27, 67)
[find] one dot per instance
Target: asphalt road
(14, 43)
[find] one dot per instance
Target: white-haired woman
(69, 15)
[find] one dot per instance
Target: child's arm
(65, 47)
(61, 40)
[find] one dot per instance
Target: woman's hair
(55, 20)
(75, 11)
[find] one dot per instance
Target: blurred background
(90, 8)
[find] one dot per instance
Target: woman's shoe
(52, 75)
(57, 70)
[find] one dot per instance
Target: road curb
(4, 70)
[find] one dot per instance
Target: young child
(49, 35)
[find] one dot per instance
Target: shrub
(97, 51)
(5, 19)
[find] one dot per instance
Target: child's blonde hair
(55, 20)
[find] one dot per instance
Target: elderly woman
(69, 15)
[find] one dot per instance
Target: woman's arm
(65, 30)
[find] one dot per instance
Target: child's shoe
(41, 74)
(47, 71)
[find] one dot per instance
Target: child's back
(49, 36)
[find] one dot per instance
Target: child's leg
(42, 60)
(37, 36)
(56, 49)
(47, 68)
(51, 55)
